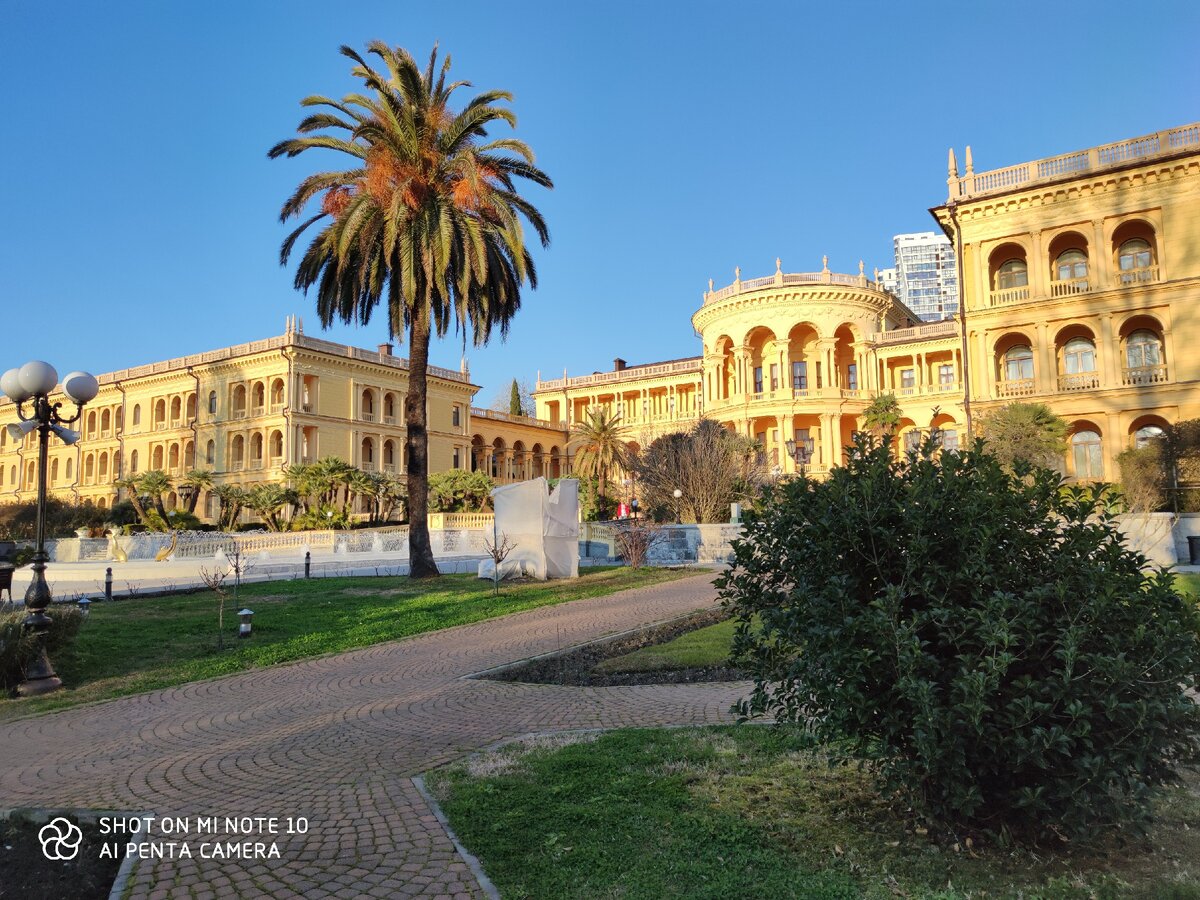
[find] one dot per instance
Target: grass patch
(700, 649)
(136, 645)
(758, 812)
(1188, 583)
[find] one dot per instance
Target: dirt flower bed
(577, 666)
(25, 872)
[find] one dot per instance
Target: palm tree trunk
(420, 551)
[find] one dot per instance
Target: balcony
(367, 416)
(1083, 381)
(236, 466)
(1069, 287)
(389, 420)
(1010, 295)
(1022, 387)
(258, 410)
(1130, 277)
(1144, 375)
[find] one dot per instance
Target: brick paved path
(337, 740)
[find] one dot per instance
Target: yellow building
(1081, 276)
(245, 412)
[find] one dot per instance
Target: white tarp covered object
(542, 526)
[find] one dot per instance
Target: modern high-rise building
(926, 279)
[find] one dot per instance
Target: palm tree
(427, 221)
(267, 499)
(154, 484)
(599, 445)
(232, 498)
(129, 484)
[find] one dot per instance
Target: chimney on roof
(618, 364)
(385, 349)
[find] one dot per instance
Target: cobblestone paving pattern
(337, 740)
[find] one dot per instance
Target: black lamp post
(33, 383)
(678, 495)
(801, 453)
(186, 492)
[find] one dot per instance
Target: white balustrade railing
(692, 364)
(1146, 147)
(916, 333)
(781, 279)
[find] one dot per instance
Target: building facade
(926, 275)
(246, 412)
(1081, 280)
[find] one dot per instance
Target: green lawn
(703, 648)
(1188, 583)
(756, 812)
(130, 646)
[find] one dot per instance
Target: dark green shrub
(17, 648)
(983, 637)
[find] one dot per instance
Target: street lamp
(677, 494)
(33, 382)
(186, 491)
(801, 453)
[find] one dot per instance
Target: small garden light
(244, 629)
(84, 606)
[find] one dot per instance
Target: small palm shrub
(981, 636)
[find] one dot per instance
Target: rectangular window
(758, 382)
(456, 459)
(774, 376)
(907, 379)
(456, 420)
(912, 440)
(945, 374)
(852, 376)
(950, 441)
(800, 376)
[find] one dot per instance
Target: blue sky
(683, 138)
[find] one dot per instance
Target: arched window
(89, 468)
(1143, 349)
(210, 453)
(157, 457)
(190, 409)
(1070, 264)
(1089, 460)
(368, 451)
(103, 466)
(256, 448)
(91, 424)
(1018, 364)
(260, 395)
(137, 414)
(1079, 356)
(368, 406)
(176, 409)
(239, 400)
(189, 455)
(276, 445)
(54, 471)
(1144, 435)
(105, 421)
(212, 403)
(133, 461)
(12, 474)
(1134, 255)
(1014, 273)
(237, 451)
(277, 392)
(68, 470)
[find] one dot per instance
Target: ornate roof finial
(970, 162)
(861, 267)
(953, 166)
(778, 264)
(464, 367)
(710, 285)
(877, 274)
(825, 263)
(737, 273)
